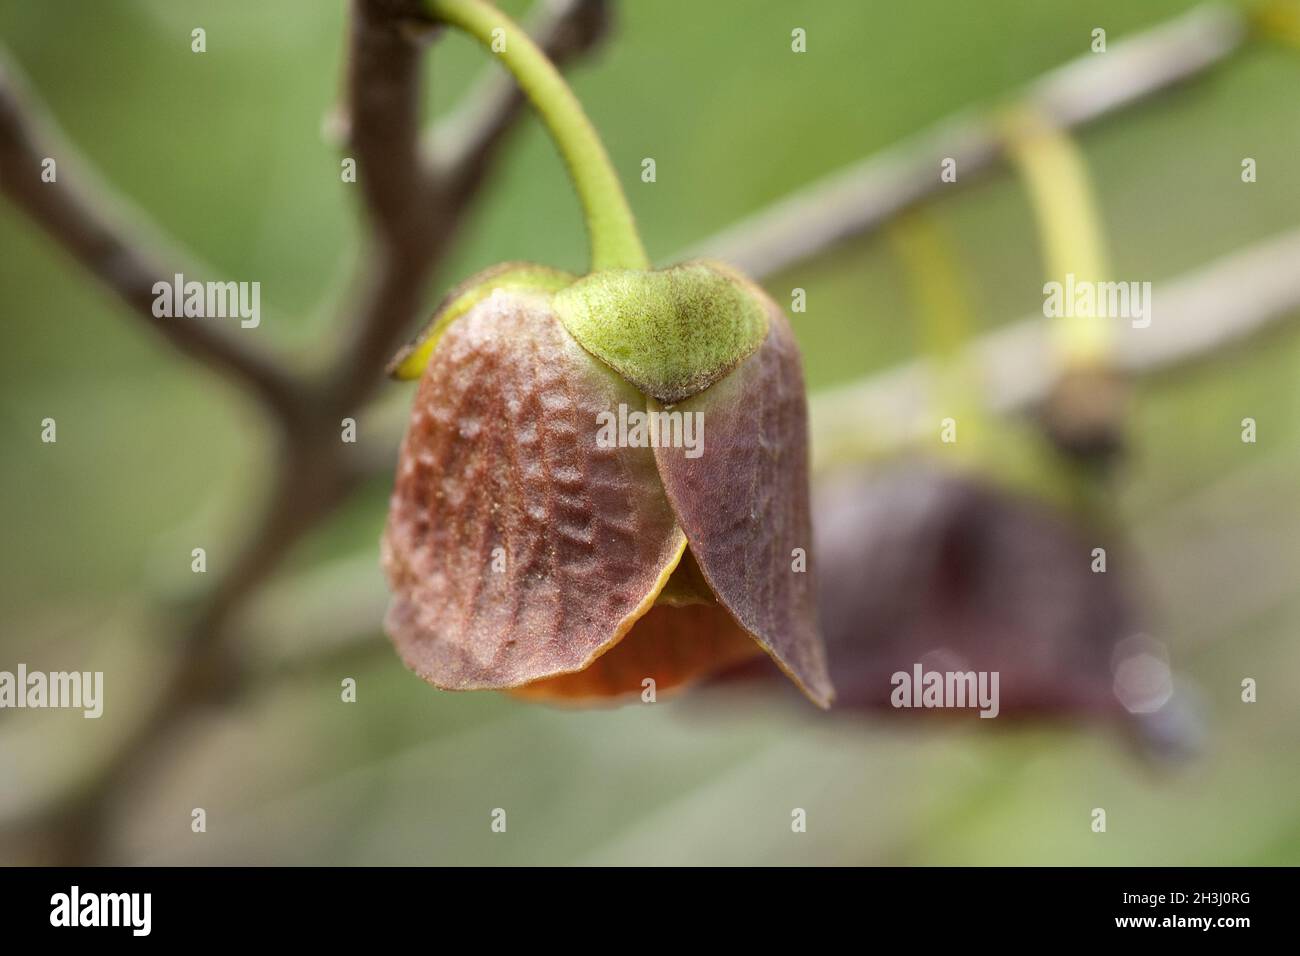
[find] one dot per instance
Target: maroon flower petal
(743, 503)
(516, 548)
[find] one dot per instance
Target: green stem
(1069, 225)
(940, 301)
(615, 243)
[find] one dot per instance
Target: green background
(156, 455)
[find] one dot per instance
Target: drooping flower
(525, 553)
(926, 567)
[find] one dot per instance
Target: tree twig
(384, 93)
(465, 144)
(98, 233)
(418, 223)
(862, 197)
(1195, 316)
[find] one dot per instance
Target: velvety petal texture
(411, 361)
(743, 502)
(517, 548)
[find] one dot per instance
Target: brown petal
(744, 503)
(675, 646)
(501, 453)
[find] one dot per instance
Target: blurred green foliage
(225, 150)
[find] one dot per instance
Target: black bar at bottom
(213, 906)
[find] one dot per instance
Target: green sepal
(672, 332)
(410, 361)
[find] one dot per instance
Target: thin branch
(864, 196)
(401, 199)
(385, 62)
(96, 233)
(464, 146)
(418, 221)
(206, 665)
(1195, 317)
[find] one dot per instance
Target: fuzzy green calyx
(672, 332)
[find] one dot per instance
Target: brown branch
(97, 234)
(383, 115)
(401, 198)
(464, 145)
(864, 196)
(416, 222)
(207, 664)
